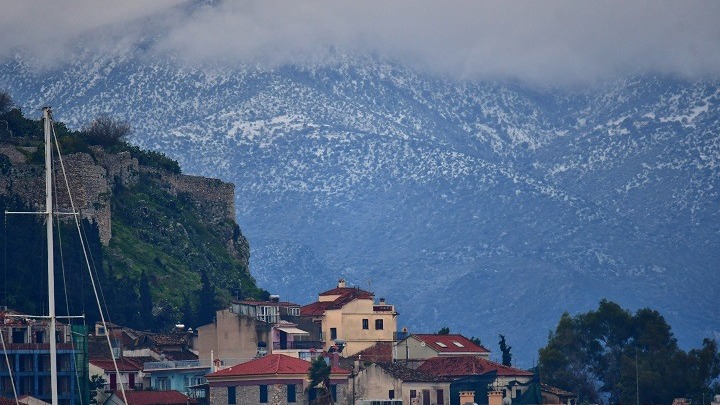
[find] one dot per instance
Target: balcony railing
(298, 345)
(163, 365)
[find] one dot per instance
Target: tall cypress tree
(505, 349)
(146, 302)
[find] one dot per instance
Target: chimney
(341, 283)
(495, 396)
(335, 360)
(467, 397)
(382, 300)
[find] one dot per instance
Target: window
(263, 394)
(333, 391)
(333, 333)
(458, 344)
(413, 393)
(291, 393)
(440, 397)
(366, 324)
(391, 394)
(378, 324)
(441, 344)
(231, 396)
(163, 384)
(517, 393)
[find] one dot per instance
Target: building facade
(352, 315)
(274, 379)
(27, 348)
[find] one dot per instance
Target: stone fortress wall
(92, 179)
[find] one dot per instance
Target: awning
(292, 331)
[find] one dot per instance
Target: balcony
(298, 345)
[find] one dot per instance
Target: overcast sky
(545, 42)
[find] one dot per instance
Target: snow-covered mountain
(487, 207)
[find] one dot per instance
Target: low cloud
(552, 42)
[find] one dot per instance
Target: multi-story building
(27, 348)
(250, 329)
(352, 315)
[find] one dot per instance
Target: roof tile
(468, 365)
(450, 343)
(273, 364)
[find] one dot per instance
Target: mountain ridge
(540, 199)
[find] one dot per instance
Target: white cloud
(552, 42)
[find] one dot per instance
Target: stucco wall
(348, 322)
(233, 338)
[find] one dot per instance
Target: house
(177, 375)
(249, 329)
(275, 378)
(388, 381)
(477, 374)
(27, 347)
(129, 372)
(232, 338)
(416, 348)
(352, 315)
(149, 398)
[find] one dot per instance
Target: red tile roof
(347, 295)
(273, 364)
(379, 352)
(346, 290)
(156, 398)
(124, 364)
(468, 365)
(449, 344)
(267, 303)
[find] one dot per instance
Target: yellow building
(352, 315)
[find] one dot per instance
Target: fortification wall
(212, 196)
(92, 178)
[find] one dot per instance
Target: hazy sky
(546, 42)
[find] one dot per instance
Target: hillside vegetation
(167, 261)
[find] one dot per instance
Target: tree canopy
(319, 375)
(106, 130)
(611, 355)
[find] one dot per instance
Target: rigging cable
(62, 266)
(87, 263)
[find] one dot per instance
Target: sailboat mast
(47, 116)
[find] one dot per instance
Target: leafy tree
(97, 382)
(610, 353)
(444, 331)
(505, 349)
(319, 375)
(476, 340)
(105, 130)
